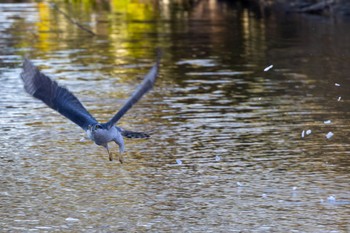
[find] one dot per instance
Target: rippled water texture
(233, 148)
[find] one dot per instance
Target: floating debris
(217, 158)
(337, 84)
(72, 219)
(268, 68)
(82, 139)
(264, 195)
(327, 122)
(329, 135)
(178, 161)
(339, 98)
(331, 199)
(294, 188)
(239, 184)
(305, 132)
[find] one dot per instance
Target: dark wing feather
(142, 89)
(56, 97)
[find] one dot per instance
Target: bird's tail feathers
(132, 134)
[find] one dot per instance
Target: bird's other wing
(142, 89)
(56, 97)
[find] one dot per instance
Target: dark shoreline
(327, 8)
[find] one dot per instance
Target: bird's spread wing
(56, 97)
(142, 89)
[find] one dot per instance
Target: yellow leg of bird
(109, 153)
(110, 156)
(120, 157)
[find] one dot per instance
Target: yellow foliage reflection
(124, 24)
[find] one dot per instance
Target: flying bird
(63, 101)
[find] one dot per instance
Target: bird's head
(100, 134)
(93, 128)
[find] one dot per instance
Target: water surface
(233, 148)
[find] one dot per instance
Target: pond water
(234, 148)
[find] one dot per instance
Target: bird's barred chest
(103, 136)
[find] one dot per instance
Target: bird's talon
(121, 159)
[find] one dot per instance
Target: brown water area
(249, 119)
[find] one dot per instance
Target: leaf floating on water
(327, 122)
(308, 132)
(337, 84)
(329, 135)
(303, 134)
(178, 161)
(268, 68)
(217, 158)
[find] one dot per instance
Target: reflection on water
(233, 148)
